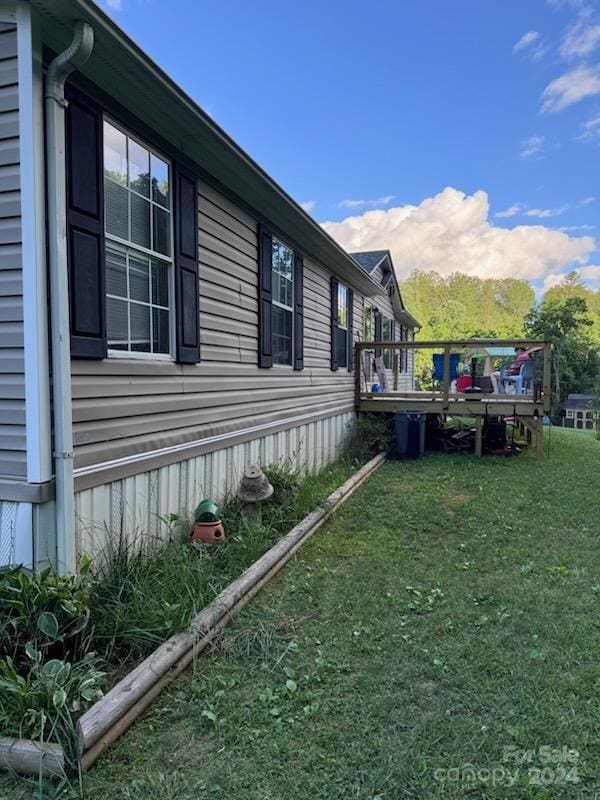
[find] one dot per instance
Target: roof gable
(369, 260)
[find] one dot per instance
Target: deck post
(358, 353)
(539, 438)
(446, 387)
(547, 377)
(478, 435)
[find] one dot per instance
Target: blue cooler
(409, 428)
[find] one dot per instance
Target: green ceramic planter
(207, 511)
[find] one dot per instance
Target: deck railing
(442, 398)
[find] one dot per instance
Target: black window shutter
(298, 311)
(334, 323)
(350, 331)
(185, 262)
(265, 297)
(85, 226)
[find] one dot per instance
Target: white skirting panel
(16, 533)
(137, 506)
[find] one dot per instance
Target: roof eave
(183, 123)
(408, 319)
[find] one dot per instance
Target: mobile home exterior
(168, 314)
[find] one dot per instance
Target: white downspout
(54, 97)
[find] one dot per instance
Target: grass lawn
(439, 638)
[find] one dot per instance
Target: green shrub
(370, 434)
(43, 609)
(38, 702)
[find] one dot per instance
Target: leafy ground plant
(40, 702)
(43, 610)
(47, 675)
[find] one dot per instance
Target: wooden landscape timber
(26, 757)
(110, 717)
(532, 406)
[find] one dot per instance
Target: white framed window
(570, 413)
(139, 246)
(341, 342)
(342, 306)
(282, 265)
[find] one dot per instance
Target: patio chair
(523, 382)
(438, 366)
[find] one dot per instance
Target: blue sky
(367, 112)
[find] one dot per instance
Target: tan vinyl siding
(13, 459)
(123, 406)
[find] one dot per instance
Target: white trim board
(35, 304)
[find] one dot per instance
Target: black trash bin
(410, 433)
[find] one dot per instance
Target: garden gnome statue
(254, 488)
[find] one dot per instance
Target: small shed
(581, 411)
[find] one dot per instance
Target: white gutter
(59, 70)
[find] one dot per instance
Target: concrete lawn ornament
(254, 490)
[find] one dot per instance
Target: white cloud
(512, 211)
(526, 40)
(452, 232)
(590, 130)
(568, 228)
(308, 205)
(571, 87)
(115, 5)
(532, 145)
(582, 37)
(544, 213)
(379, 201)
(590, 274)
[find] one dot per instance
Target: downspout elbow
(74, 57)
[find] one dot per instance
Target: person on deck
(464, 381)
(521, 355)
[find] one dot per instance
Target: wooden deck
(501, 405)
(528, 409)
